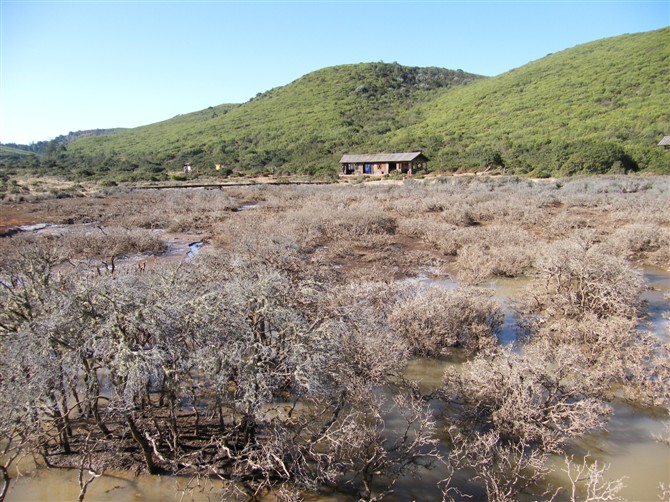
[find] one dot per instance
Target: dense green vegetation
(302, 127)
(10, 152)
(48, 147)
(596, 108)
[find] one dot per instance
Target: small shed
(665, 142)
(383, 163)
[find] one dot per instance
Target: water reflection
(193, 249)
(657, 300)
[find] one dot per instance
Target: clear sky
(86, 64)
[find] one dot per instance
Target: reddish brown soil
(16, 215)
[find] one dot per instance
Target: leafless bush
(614, 356)
(27, 277)
(495, 251)
(579, 279)
(478, 262)
(536, 398)
(565, 224)
(313, 224)
(227, 367)
(176, 210)
(639, 237)
(101, 242)
(588, 482)
(370, 447)
(641, 240)
(665, 436)
(664, 492)
(265, 367)
(507, 412)
(444, 237)
(506, 469)
(460, 215)
(349, 222)
(435, 319)
(589, 303)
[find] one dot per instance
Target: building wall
(377, 168)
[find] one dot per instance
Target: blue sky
(85, 64)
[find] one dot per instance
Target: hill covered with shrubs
(301, 127)
(595, 108)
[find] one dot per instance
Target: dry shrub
(578, 278)
(112, 241)
(615, 357)
(460, 215)
(565, 224)
(357, 221)
(444, 237)
(495, 251)
(278, 375)
(269, 325)
(245, 228)
(474, 263)
(483, 252)
(536, 398)
(640, 240)
(588, 302)
(648, 373)
(588, 481)
(508, 411)
(315, 224)
(176, 210)
(434, 319)
(506, 469)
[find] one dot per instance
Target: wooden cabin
(665, 142)
(383, 163)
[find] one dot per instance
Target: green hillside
(301, 127)
(599, 106)
(8, 152)
(595, 108)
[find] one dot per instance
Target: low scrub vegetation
(434, 319)
(275, 360)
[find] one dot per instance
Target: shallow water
(631, 450)
(657, 299)
(628, 446)
(63, 485)
(194, 249)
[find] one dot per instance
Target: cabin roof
(383, 157)
(665, 141)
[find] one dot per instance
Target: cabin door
(367, 169)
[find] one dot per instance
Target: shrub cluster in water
(275, 361)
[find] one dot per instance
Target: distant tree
(492, 158)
